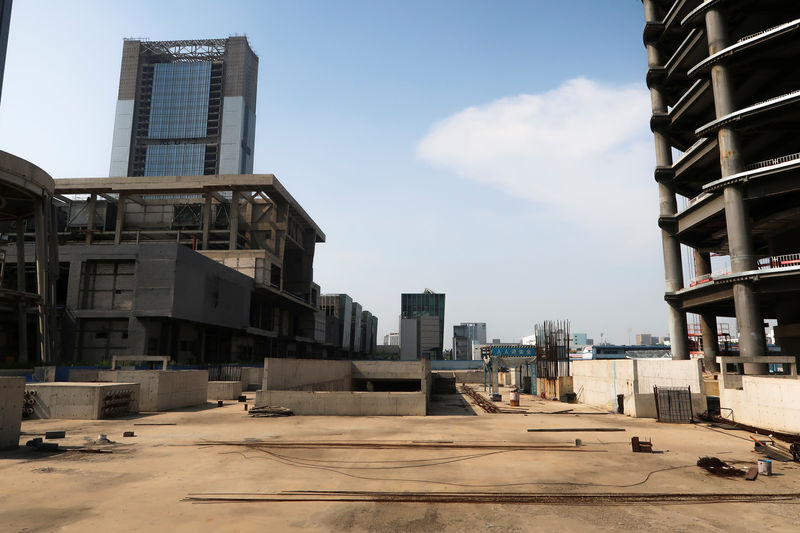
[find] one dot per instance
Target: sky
(495, 151)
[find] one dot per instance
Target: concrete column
(206, 219)
(120, 218)
(41, 280)
(668, 206)
(752, 341)
(708, 322)
(495, 376)
(234, 234)
(22, 311)
(90, 221)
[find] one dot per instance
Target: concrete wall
(599, 382)
(224, 390)
(462, 376)
(347, 403)
(252, 377)
(307, 375)
(83, 374)
(768, 402)
(12, 391)
(162, 390)
(457, 365)
(80, 401)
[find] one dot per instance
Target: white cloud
(582, 152)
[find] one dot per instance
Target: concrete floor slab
(151, 474)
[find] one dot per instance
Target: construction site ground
(142, 483)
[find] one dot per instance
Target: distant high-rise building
(185, 108)
(421, 325)
(5, 20)
(464, 336)
(644, 339)
(392, 339)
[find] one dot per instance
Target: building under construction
(726, 101)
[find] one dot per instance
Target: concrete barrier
(602, 382)
(769, 402)
(252, 377)
(162, 390)
(84, 401)
(224, 390)
(12, 391)
(347, 403)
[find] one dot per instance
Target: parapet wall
(162, 390)
(347, 403)
(306, 375)
(84, 401)
(601, 382)
(324, 387)
(769, 402)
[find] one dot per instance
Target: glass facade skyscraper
(185, 108)
(428, 308)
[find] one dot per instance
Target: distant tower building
(392, 339)
(465, 335)
(185, 108)
(5, 19)
(421, 325)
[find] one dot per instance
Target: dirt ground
(142, 483)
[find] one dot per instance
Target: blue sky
(498, 152)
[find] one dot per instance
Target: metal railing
(756, 34)
(773, 161)
(779, 261)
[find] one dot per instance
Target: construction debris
(269, 411)
(641, 446)
(129, 434)
(775, 451)
(55, 434)
(718, 467)
(482, 402)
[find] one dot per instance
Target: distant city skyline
(373, 114)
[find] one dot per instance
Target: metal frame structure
(186, 50)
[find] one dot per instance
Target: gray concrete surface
(12, 390)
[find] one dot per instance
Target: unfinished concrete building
(724, 97)
(27, 294)
(185, 107)
(205, 269)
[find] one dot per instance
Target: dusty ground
(141, 484)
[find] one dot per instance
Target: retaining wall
(224, 390)
(84, 401)
(347, 403)
(600, 382)
(307, 375)
(12, 392)
(769, 402)
(252, 377)
(162, 390)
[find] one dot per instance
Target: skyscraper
(185, 108)
(464, 336)
(421, 325)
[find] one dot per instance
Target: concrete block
(224, 390)
(252, 378)
(84, 401)
(12, 391)
(162, 390)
